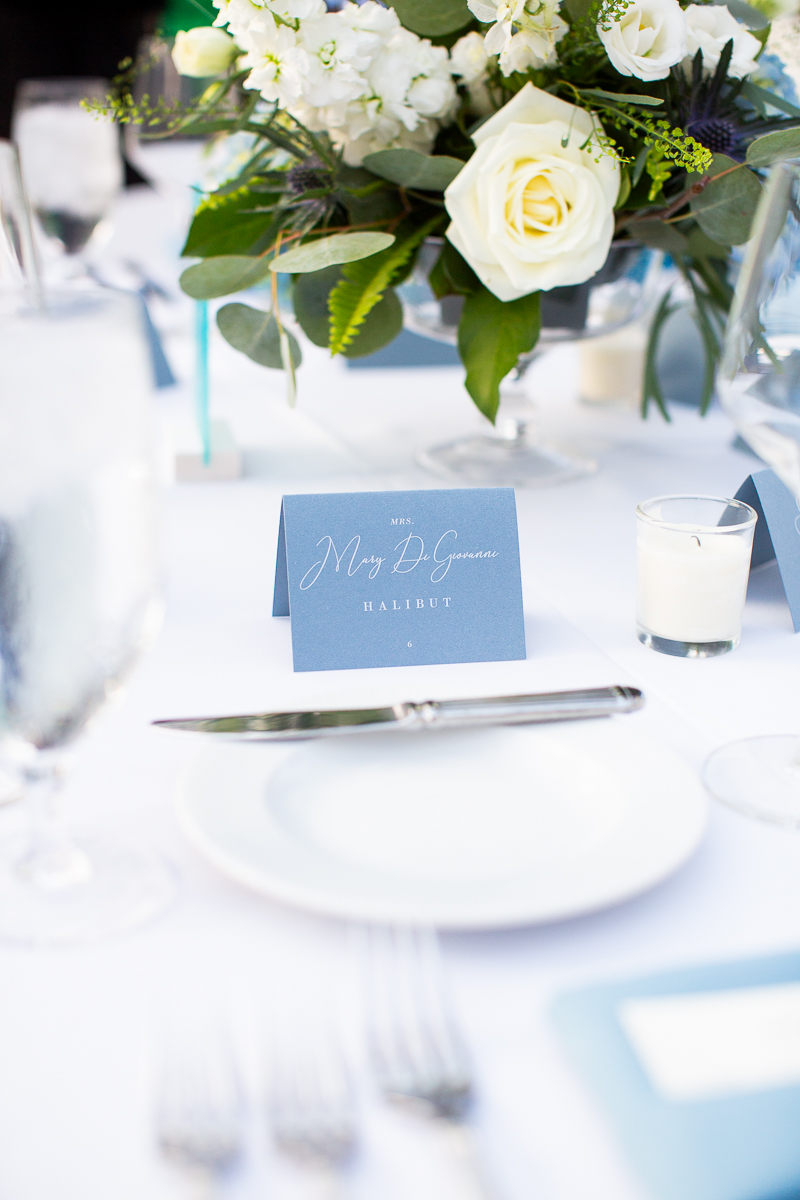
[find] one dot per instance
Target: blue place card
(730, 1132)
(777, 533)
(391, 579)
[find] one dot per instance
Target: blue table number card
(699, 1070)
(777, 532)
(391, 579)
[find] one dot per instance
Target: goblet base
(98, 887)
(504, 462)
(759, 776)
(680, 649)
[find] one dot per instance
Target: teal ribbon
(201, 379)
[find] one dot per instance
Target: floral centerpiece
(530, 134)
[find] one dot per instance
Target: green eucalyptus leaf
(491, 336)
(310, 302)
(702, 246)
(724, 209)
(433, 20)
(380, 326)
(256, 334)
(329, 251)
(220, 276)
(409, 168)
(774, 147)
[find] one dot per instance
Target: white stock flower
(337, 54)
(402, 89)
(709, 28)
(648, 39)
(528, 212)
(277, 64)
(243, 15)
(524, 33)
(468, 58)
(203, 51)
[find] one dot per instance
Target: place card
(777, 533)
(704, 1044)
(390, 579)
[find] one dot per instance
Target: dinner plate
(461, 829)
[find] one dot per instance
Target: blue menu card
(777, 532)
(389, 579)
(735, 1142)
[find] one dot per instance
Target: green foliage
(600, 94)
(330, 251)
(433, 20)
(651, 389)
(364, 282)
(699, 245)
(660, 236)
(256, 334)
(409, 168)
(724, 209)
(491, 337)
(224, 224)
(610, 11)
(774, 147)
(761, 98)
(451, 274)
(659, 169)
(215, 277)
(310, 298)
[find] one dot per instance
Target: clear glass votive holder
(693, 555)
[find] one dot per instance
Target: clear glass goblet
(512, 454)
(71, 161)
(171, 162)
(79, 592)
(758, 384)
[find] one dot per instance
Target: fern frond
(364, 282)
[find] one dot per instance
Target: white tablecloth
(77, 1025)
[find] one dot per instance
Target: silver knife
(430, 714)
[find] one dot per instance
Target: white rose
(203, 52)
(468, 58)
(710, 28)
(528, 212)
(648, 39)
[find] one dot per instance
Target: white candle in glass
(692, 576)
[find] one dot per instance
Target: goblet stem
(51, 861)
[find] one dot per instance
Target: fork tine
(415, 1044)
(199, 1108)
(310, 1100)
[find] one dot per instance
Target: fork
(311, 1109)
(199, 1114)
(418, 1053)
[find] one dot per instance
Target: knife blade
(413, 716)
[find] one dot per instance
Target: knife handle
(526, 710)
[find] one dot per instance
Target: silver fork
(200, 1114)
(311, 1109)
(418, 1054)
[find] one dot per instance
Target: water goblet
(71, 160)
(758, 384)
(79, 594)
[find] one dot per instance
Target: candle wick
(697, 539)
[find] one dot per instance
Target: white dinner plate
(462, 830)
